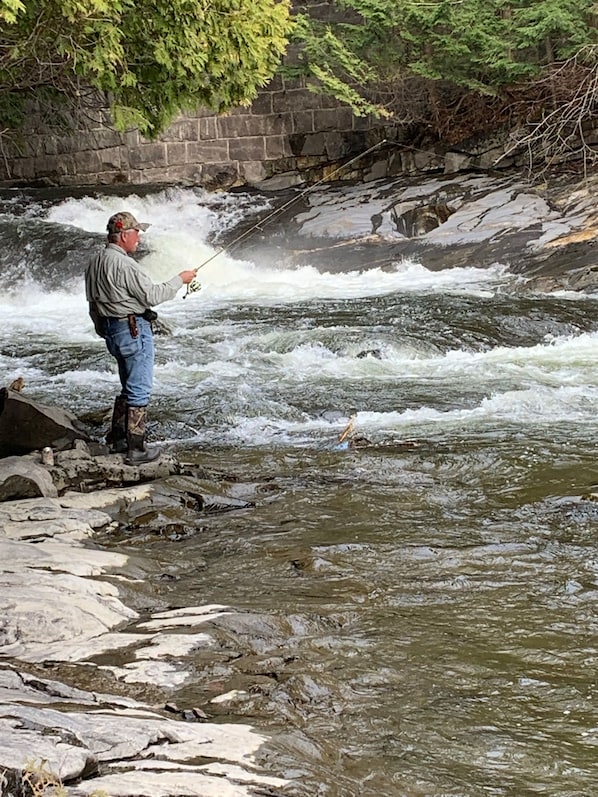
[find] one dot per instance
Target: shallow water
(417, 615)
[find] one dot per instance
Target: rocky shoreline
(84, 676)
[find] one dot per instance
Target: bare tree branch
(560, 134)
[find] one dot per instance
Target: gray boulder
(26, 425)
(21, 477)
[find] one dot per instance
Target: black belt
(148, 315)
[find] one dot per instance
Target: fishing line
(195, 286)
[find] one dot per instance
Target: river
(420, 606)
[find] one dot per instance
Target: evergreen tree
(152, 57)
(481, 45)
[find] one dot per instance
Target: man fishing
(120, 295)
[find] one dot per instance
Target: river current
(422, 603)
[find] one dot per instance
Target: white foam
(166, 211)
(182, 222)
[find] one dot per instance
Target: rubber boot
(137, 453)
(117, 436)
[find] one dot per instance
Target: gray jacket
(116, 285)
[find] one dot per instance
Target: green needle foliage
(482, 46)
(153, 58)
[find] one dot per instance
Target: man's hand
(188, 276)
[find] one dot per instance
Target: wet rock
(423, 219)
(200, 715)
(189, 617)
(303, 689)
(374, 353)
(194, 715)
(27, 425)
(333, 416)
(359, 441)
(80, 470)
(162, 327)
(121, 737)
(22, 477)
(546, 229)
(212, 496)
(47, 518)
(43, 610)
(220, 503)
(255, 633)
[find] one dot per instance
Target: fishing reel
(192, 287)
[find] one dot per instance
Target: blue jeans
(135, 358)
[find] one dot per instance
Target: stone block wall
(289, 135)
(288, 130)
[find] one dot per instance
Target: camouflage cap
(124, 221)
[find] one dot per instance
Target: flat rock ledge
(62, 614)
(102, 743)
(545, 232)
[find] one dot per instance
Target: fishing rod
(195, 286)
